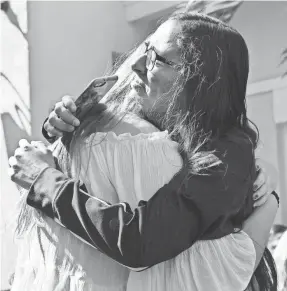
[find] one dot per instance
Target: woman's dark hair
(212, 81)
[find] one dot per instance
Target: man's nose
(139, 66)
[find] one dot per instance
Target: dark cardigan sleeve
(181, 212)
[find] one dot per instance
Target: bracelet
(276, 196)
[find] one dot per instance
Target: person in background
(278, 245)
(276, 233)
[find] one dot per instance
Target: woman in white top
(189, 81)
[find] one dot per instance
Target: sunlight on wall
(15, 121)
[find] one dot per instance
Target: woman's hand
(265, 183)
(28, 161)
(62, 118)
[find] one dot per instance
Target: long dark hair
(216, 79)
(214, 73)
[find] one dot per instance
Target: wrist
(46, 186)
(50, 138)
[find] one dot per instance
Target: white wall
(71, 43)
(263, 26)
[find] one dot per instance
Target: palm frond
(223, 10)
(12, 16)
(283, 57)
(283, 61)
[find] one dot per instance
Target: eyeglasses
(152, 56)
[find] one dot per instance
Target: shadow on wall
(15, 116)
(12, 132)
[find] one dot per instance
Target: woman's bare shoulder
(134, 125)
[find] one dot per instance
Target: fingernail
(255, 197)
(255, 187)
(76, 122)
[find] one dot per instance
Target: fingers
(261, 201)
(260, 180)
(14, 168)
(61, 119)
(69, 103)
(65, 114)
(51, 130)
(18, 152)
(262, 194)
(39, 145)
(24, 144)
(261, 188)
(13, 162)
(11, 173)
(58, 123)
(262, 197)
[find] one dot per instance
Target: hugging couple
(155, 187)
